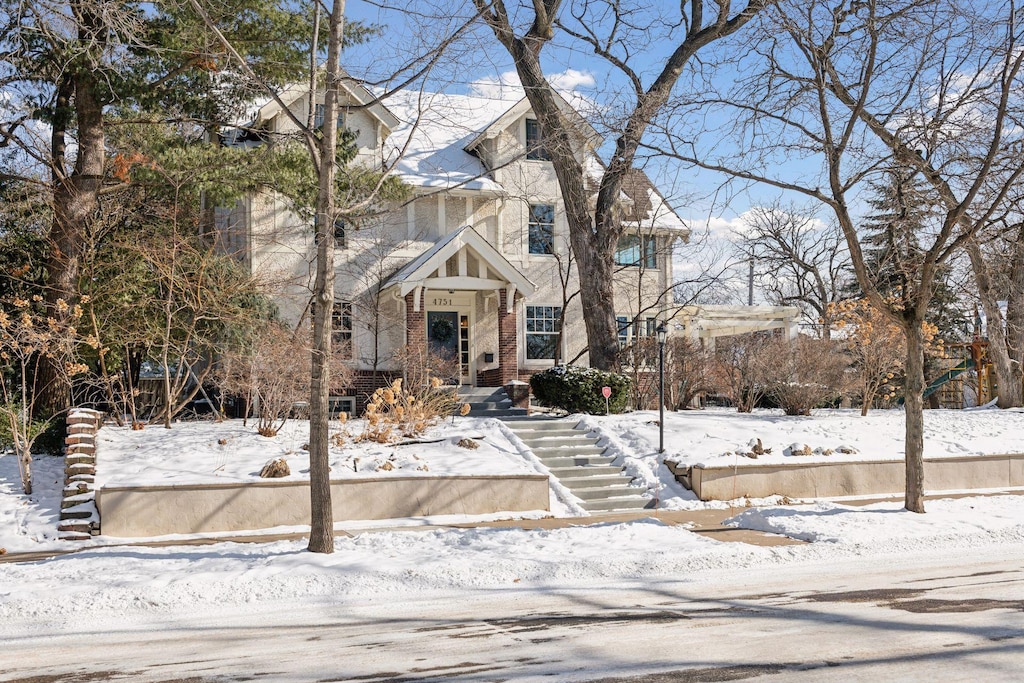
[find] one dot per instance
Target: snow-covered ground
(197, 452)
(120, 581)
(720, 436)
(114, 583)
(207, 452)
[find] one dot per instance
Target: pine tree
(903, 211)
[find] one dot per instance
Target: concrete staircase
(578, 463)
(489, 402)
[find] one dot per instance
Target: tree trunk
(75, 203)
(914, 414)
(321, 526)
(1008, 376)
(1015, 325)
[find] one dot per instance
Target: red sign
(606, 392)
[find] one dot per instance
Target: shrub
(578, 390)
(806, 373)
(395, 412)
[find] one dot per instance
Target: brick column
(508, 341)
(415, 321)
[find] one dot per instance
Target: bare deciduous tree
(607, 29)
(861, 88)
(799, 261)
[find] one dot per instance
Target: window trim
(555, 332)
(535, 149)
(531, 223)
(318, 117)
(342, 328)
(646, 249)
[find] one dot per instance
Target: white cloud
(571, 79)
(506, 85)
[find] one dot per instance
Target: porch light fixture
(662, 332)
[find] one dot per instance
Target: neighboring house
(478, 262)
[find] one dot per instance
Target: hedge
(578, 390)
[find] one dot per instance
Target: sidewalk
(706, 522)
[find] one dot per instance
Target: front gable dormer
(359, 111)
(519, 123)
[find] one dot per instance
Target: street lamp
(662, 333)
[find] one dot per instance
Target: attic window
(535, 142)
(318, 118)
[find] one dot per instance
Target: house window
(631, 330)
(543, 323)
(542, 228)
(318, 118)
(535, 148)
(339, 233)
(340, 239)
(634, 250)
(341, 329)
(622, 324)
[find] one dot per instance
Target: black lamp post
(662, 333)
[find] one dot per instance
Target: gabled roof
(522, 108)
(423, 267)
(350, 86)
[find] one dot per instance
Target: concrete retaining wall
(829, 479)
(203, 508)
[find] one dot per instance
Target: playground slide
(958, 369)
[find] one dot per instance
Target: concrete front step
(567, 451)
(535, 442)
(624, 503)
(579, 461)
(616, 491)
(539, 424)
(490, 405)
(502, 412)
(76, 526)
(594, 480)
(537, 435)
(585, 471)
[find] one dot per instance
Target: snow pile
(29, 522)
(886, 522)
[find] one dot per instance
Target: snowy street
(893, 617)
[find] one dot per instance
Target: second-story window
(339, 234)
(636, 250)
(340, 238)
(318, 118)
(535, 148)
(542, 228)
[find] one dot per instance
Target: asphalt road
(877, 619)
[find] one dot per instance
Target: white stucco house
(477, 263)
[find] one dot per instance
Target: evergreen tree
(903, 211)
(72, 68)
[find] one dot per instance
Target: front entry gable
(461, 260)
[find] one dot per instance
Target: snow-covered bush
(578, 390)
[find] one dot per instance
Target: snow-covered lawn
(206, 452)
(209, 452)
(723, 437)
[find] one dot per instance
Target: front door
(448, 338)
